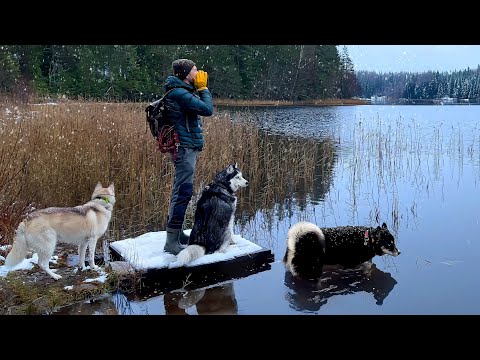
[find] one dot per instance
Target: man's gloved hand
(200, 81)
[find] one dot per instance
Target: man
(185, 107)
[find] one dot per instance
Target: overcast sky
(414, 58)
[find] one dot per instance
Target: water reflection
(290, 174)
(311, 296)
(216, 300)
(103, 305)
(298, 121)
(115, 303)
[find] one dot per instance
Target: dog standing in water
(309, 248)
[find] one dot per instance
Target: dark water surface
(417, 168)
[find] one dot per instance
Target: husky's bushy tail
(305, 250)
(190, 253)
(303, 232)
(19, 249)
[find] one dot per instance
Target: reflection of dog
(311, 296)
(309, 248)
(80, 225)
(213, 227)
(216, 300)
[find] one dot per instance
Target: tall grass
(388, 157)
(53, 155)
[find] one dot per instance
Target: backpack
(162, 130)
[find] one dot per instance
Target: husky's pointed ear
(230, 169)
(98, 186)
(384, 226)
(112, 187)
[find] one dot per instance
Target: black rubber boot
(173, 244)
(183, 238)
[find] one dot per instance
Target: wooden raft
(145, 255)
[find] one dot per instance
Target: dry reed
(54, 154)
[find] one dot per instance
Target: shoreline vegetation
(6, 100)
(68, 134)
(320, 102)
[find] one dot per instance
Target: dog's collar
(228, 190)
(367, 238)
(103, 198)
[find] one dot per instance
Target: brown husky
(80, 225)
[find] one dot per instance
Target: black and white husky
(309, 248)
(213, 226)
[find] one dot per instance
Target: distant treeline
(137, 72)
(463, 84)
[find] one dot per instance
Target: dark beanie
(181, 68)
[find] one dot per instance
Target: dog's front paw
(367, 267)
(56, 276)
(96, 268)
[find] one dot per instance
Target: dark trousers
(182, 186)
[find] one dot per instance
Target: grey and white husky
(214, 216)
(80, 225)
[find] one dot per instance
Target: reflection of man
(217, 300)
(305, 295)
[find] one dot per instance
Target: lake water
(416, 168)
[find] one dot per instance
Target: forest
(137, 72)
(460, 84)
(240, 72)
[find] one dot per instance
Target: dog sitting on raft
(214, 216)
